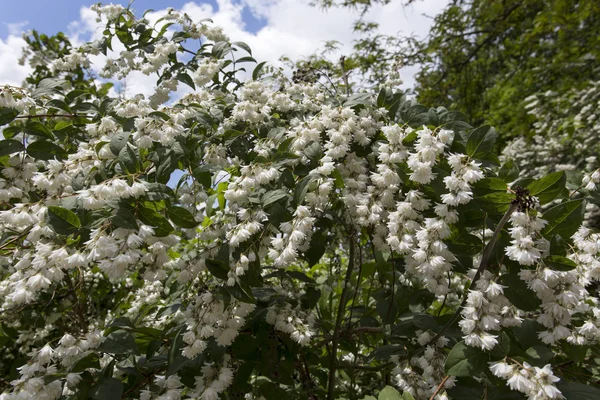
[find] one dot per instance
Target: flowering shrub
(318, 245)
(565, 138)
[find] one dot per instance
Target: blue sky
(272, 28)
(52, 16)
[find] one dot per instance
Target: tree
(320, 244)
(484, 58)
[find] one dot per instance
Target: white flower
(501, 369)
(519, 382)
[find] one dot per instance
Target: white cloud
(292, 28)
(11, 72)
(16, 28)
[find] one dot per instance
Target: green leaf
(481, 141)
(493, 184)
(244, 46)
(257, 70)
(358, 99)
(38, 129)
(221, 188)
(160, 115)
(465, 360)
(166, 166)
(231, 134)
(389, 393)
(203, 174)
(519, 294)
(539, 355)
(181, 217)
(158, 191)
(578, 391)
(302, 189)
(386, 351)
(432, 117)
(218, 268)
(558, 246)
(7, 115)
(564, 219)
(90, 361)
(128, 159)
(526, 335)
(310, 299)
(575, 352)
(108, 388)
(549, 187)
(10, 132)
(411, 137)
(10, 146)
(318, 245)
(509, 171)
(150, 217)
(560, 263)
(272, 391)
(175, 350)
(118, 142)
(58, 103)
(273, 196)
(203, 177)
(78, 182)
(119, 342)
(62, 221)
(43, 150)
(185, 78)
(242, 293)
(495, 202)
(124, 218)
(313, 151)
(466, 389)
(489, 185)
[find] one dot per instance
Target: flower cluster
(209, 317)
(423, 385)
(294, 322)
(536, 383)
(525, 248)
(486, 310)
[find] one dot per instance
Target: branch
(50, 116)
(439, 387)
(338, 323)
(77, 304)
(307, 382)
(485, 42)
(485, 258)
(16, 238)
(345, 74)
(366, 367)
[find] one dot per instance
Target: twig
(389, 310)
(345, 74)
(77, 305)
(360, 265)
(307, 381)
(366, 367)
(15, 239)
(439, 388)
(338, 323)
(50, 116)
